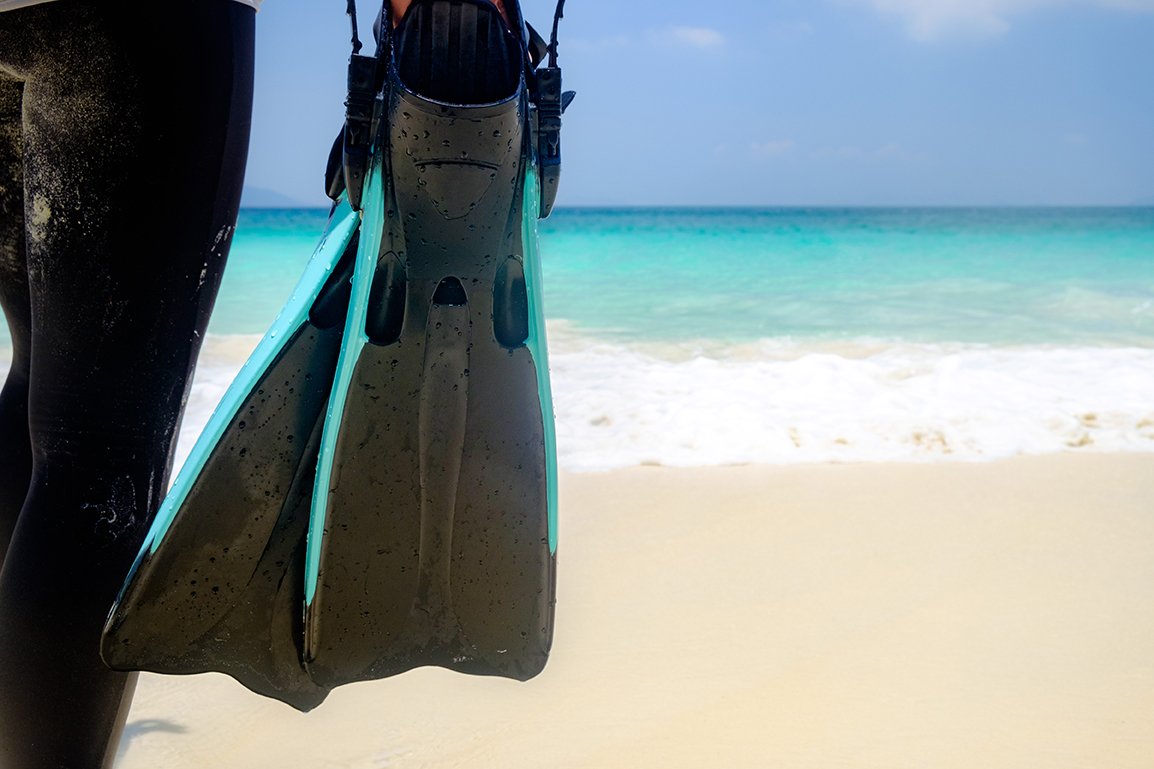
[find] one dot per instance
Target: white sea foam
(779, 401)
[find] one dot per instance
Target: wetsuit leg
(136, 118)
(15, 448)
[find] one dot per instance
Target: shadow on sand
(145, 726)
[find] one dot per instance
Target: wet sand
(890, 615)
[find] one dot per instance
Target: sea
(696, 337)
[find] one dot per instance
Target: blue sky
(756, 102)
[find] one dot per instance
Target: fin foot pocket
(458, 52)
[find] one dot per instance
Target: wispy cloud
(928, 20)
(695, 37)
(772, 149)
(792, 30)
(892, 152)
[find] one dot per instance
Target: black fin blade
(223, 591)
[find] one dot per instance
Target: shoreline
(947, 614)
(618, 407)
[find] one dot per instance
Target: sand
(890, 615)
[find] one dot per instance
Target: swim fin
(433, 533)
(218, 583)
(399, 409)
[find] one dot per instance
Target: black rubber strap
(352, 14)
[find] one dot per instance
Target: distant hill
(258, 197)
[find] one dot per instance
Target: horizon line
(775, 206)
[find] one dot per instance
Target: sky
(788, 103)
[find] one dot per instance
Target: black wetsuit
(123, 136)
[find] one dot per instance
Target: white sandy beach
(873, 615)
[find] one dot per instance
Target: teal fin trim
(536, 342)
(291, 317)
(355, 339)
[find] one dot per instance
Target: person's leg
(15, 448)
(137, 117)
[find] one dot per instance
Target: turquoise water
(269, 253)
(707, 337)
(996, 276)
(1002, 276)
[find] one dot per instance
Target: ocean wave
(783, 401)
